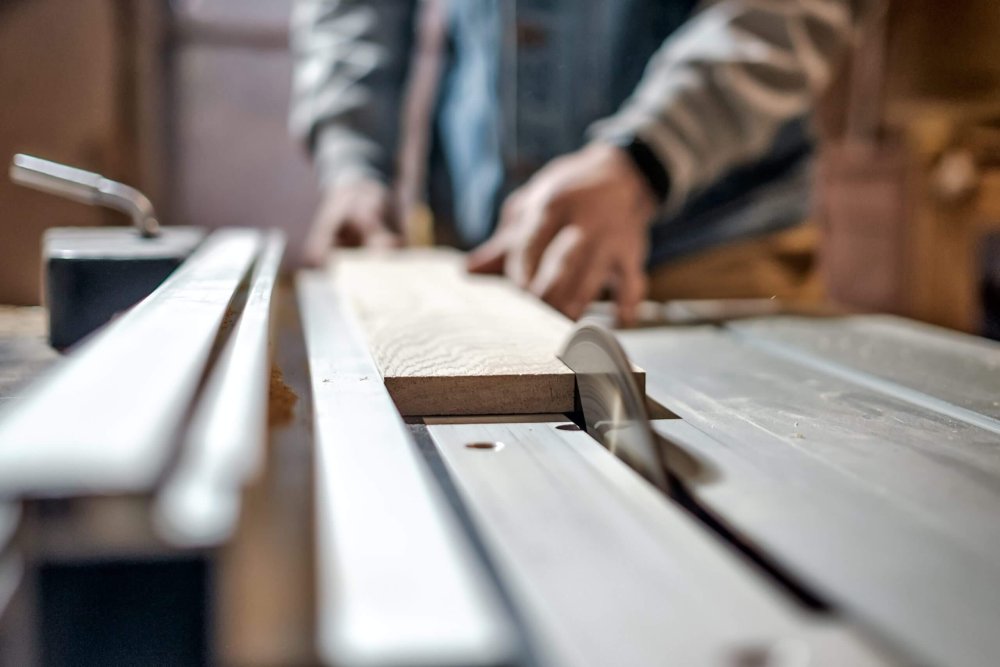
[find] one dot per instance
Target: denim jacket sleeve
(717, 92)
(351, 61)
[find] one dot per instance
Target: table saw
(390, 463)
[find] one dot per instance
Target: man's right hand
(359, 213)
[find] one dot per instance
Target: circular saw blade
(614, 410)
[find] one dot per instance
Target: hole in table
(568, 427)
(494, 446)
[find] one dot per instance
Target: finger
(510, 209)
(314, 251)
(540, 221)
(488, 257)
(321, 233)
(312, 256)
(383, 239)
(569, 261)
(589, 287)
(368, 225)
(317, 244)
(630, 291)
(565, 264)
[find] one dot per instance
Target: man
(585, 139)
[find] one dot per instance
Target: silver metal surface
(608, 571)
(85, 187)
(199, 503)
(613, 407)
(876, 504)
(104, 420)
(398, 583)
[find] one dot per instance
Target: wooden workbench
(24, 353)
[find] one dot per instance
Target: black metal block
(92, 274)
(125, 612)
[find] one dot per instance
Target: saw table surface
(861, 454)
(856, 457)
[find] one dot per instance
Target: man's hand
(358, 213)
(578, 226)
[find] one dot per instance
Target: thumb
(316, 247)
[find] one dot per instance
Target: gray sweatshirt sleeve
(351, 61)
(717, 92)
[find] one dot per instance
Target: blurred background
(187, 100)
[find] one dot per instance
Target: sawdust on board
(281, 400)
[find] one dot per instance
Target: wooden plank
(106, 418)
(447, 343)
(398, 582)
(606, 571)
(957, 368)
(885, 509)
(198, 504)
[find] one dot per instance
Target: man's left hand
(578, 226)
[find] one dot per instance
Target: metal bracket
(85, 187)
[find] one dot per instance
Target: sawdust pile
(281, 400)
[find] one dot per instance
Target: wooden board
(606, 571)
(398, 583)
(884, 508)
(447, 343)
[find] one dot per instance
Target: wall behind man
(186, 99)
(233, 161)
(57, 100)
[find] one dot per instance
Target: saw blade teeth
(614, 410)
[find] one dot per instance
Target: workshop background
(187, 100)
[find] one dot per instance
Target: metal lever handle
(86, 187)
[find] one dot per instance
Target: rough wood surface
(886, 508)
(606, 571)
(447, 343)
